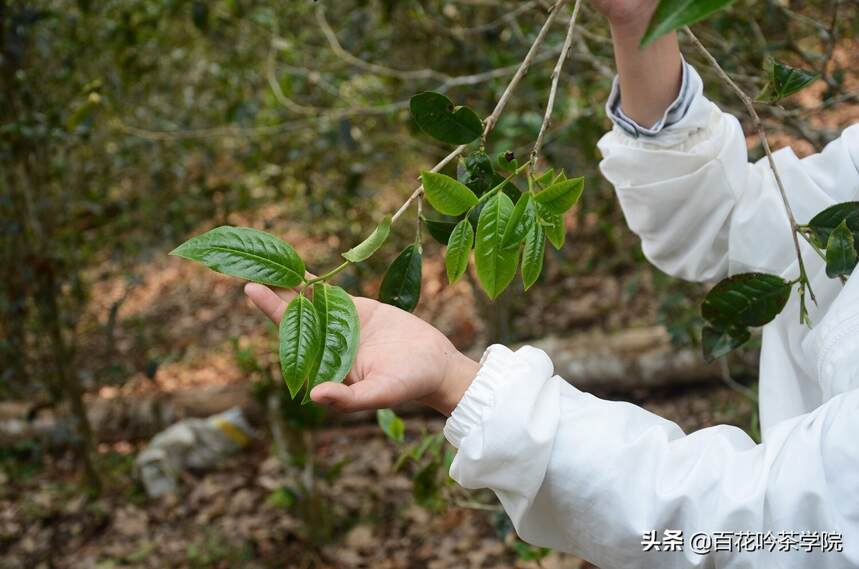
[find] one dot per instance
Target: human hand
(626, 13)
(650, 78)
(400, 358)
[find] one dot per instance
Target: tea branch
(488, 124)
(553, 90)
(804, 283)
(490, 121)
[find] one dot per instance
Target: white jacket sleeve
(702, 210)
(589, 476)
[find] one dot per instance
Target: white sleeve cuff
(690, 89)
(495, 365)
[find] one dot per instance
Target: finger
(359, 396)
(288, 294)
(272, 304)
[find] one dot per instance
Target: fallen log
(634, 359)
(616, 363)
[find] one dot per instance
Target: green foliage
(300, 343)
(527, 552)
(282, 498)
(496, 266)
(840, 252)
(533, 254)
(507, 161)
(748, 299)
(245, 253)
(431, 465)
(339, 324)
(523, 218)
(371, 244)
(476, 172)
(459, 250)
(672, 15)
(391, 425)
(446, 195)
(554, 226)
(717, 342)
(437, 116)
(824, 223)
(440, 229)
(401, 286)
(784, 81)
(559, 198)
(737, 303)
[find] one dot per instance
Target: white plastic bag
(195, 444)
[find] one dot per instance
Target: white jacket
(592, 477)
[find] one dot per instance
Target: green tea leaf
(544, 180)
(300, 343)
(436, 115)
(559, 198)
(508, 187)
(672, 15)
(340, 328)
(717, 342)
(528, 552)
(825, 222)
(391, 425)
(840, 252)
(749, 299)
(245, 253)
(459, 250)
(447, 195)
(477, 173)
(496, 266)
(555, 228)
(784, 81)
(440, 229)
(524, 217)
(533, 254)
(426, 489)
(401, 286)
(371, 244)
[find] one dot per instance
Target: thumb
(360, 396)
(272, 304)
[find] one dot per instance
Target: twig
(467, 505)
(343, 54)
(734, 384)
(311, 115)
(553, 90)
(804, 283)
(492, 119)
(508, 17)
(831, 42)
(489, 123)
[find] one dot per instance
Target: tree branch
(343, 54)
(553, 90)
(762, 135)
(490, 121)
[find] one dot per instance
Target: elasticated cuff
(479, 398)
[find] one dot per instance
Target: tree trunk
(67, 383)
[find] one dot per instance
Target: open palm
(400, 358)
